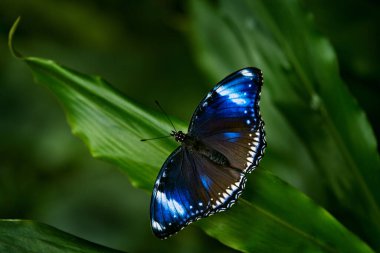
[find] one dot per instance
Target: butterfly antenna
(159, 106)
(155, 138)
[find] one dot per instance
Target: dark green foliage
(25, 236)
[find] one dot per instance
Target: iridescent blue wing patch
(207, 173)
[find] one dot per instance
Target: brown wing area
(243, 148)
(223, 184)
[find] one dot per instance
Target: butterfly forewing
(178, 196)
(233, 103)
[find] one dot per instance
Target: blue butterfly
(207, 173)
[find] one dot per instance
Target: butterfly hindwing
(222, 183)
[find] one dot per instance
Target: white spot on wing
(246, 73)
(156, 225)
(223, 92)
(233, 187)
(233, 95)
(173, 205)
(238, 101)
(178, 207)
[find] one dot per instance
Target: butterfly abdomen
(217, 157)
(214, 156)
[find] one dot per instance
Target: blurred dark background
(143, 49)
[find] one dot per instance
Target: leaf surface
(24, 236)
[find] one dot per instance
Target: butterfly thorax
(179, 136)
(195, 145)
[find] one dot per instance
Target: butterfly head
(178, 136)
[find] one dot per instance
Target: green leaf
(310, 116)
(109, 124)
(19, 236)
(273, 217)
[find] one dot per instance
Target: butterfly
(207, 172)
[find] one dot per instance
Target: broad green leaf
(23, 236)
(108, 123)
(274, 217)
(310, 116)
